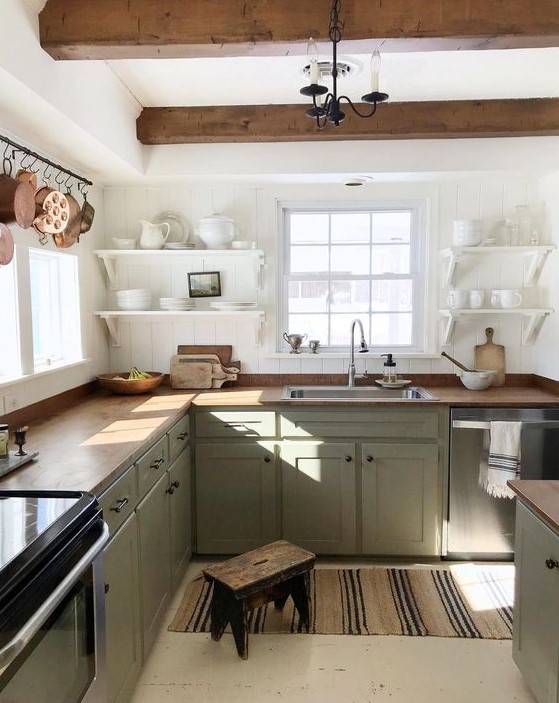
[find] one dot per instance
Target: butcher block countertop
(540, 496)
(89, 443)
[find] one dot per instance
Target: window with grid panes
(365, 263)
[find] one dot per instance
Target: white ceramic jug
(152, 235)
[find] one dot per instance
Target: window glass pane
(304, 259)
(348, 296)
(309, 227)
(315, 326)
(391, 329)
(350, 259)
(307, 296)
(391, 296)
(341, 327)
(351, 228)
(391, 226)
(390, 258)
(10, 364)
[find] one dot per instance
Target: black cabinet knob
(267, 459)
(552, 563)
(369, 458)
(170, 490)
(348, 458)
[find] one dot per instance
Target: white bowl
(243, 245)
(461, 225)
(134, 304)
(466, 239)
(477, 380)
(133, 293)
(124, 243)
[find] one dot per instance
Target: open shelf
(535, 255)
(534, 318)
(109, 258)
(112, 318)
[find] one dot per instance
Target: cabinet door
(319, 496)
(180, 516)
(401, 504)
(154, 554)
(122, 607)
(235, 497)
(536, 595)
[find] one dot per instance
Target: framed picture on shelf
(206, 284)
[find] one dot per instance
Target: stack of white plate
(177, 304)
(233, 305)
(178, 245)
(467, 233)
(134, 299)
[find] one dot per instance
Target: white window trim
(419, 258)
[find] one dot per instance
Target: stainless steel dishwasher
(480, 526)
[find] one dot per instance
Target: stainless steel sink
(355, 393)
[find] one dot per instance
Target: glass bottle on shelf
(523, 220)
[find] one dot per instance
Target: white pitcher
(152, 235)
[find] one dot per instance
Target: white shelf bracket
(531, 326)
(448, 329)
(112, 326)
(110, 268)
(451, 261)
(533, 267)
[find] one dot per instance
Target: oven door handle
(482, 425)
(10, 651)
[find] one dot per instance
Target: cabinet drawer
(236, 424)
(152, 465)
(119, 501)
(419, 424)
(179, 436)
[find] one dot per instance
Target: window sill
(345, 355)
(43, 371)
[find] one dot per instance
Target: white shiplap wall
(151, 344)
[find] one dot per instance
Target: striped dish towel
(503, 462)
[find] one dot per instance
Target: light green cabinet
(536, 605)
(180, 517)
(154, 557)
(318, 496)
(400, 499)
(235, 496)
(122, 608)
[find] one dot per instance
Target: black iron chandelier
(329, 110)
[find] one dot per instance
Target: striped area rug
(465, 600)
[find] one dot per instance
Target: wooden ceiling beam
(124, 29)
(407, 120)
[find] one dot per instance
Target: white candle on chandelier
(312, 55)
(375, 71)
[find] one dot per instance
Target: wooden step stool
(272, 572)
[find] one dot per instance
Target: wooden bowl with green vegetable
(131, 382)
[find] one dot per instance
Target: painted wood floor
(190, 668)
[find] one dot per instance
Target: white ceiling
(443, 75)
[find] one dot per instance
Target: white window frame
(10, 358)
(418, 268)
(62, 307)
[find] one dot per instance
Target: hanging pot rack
(28, 153)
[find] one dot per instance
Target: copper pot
(52, 211)
(70, 235)
(87, 215)
(17, 202)
(6, 245)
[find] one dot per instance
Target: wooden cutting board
(188, 374)
(223, 351)
(491, 356)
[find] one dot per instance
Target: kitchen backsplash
(254, 209)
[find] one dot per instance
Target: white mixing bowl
(477, 380)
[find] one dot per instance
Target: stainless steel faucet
(363, 348)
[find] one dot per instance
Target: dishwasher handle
(485, 425)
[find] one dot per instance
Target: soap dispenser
(389, 374)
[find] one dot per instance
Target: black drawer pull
(267, 459)
(369, 458)
(348, 458)
(176, 484)
(182, 436)
(157, 463)
(552, 563)
(106, 588)
(119, 505)
(170, 490)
